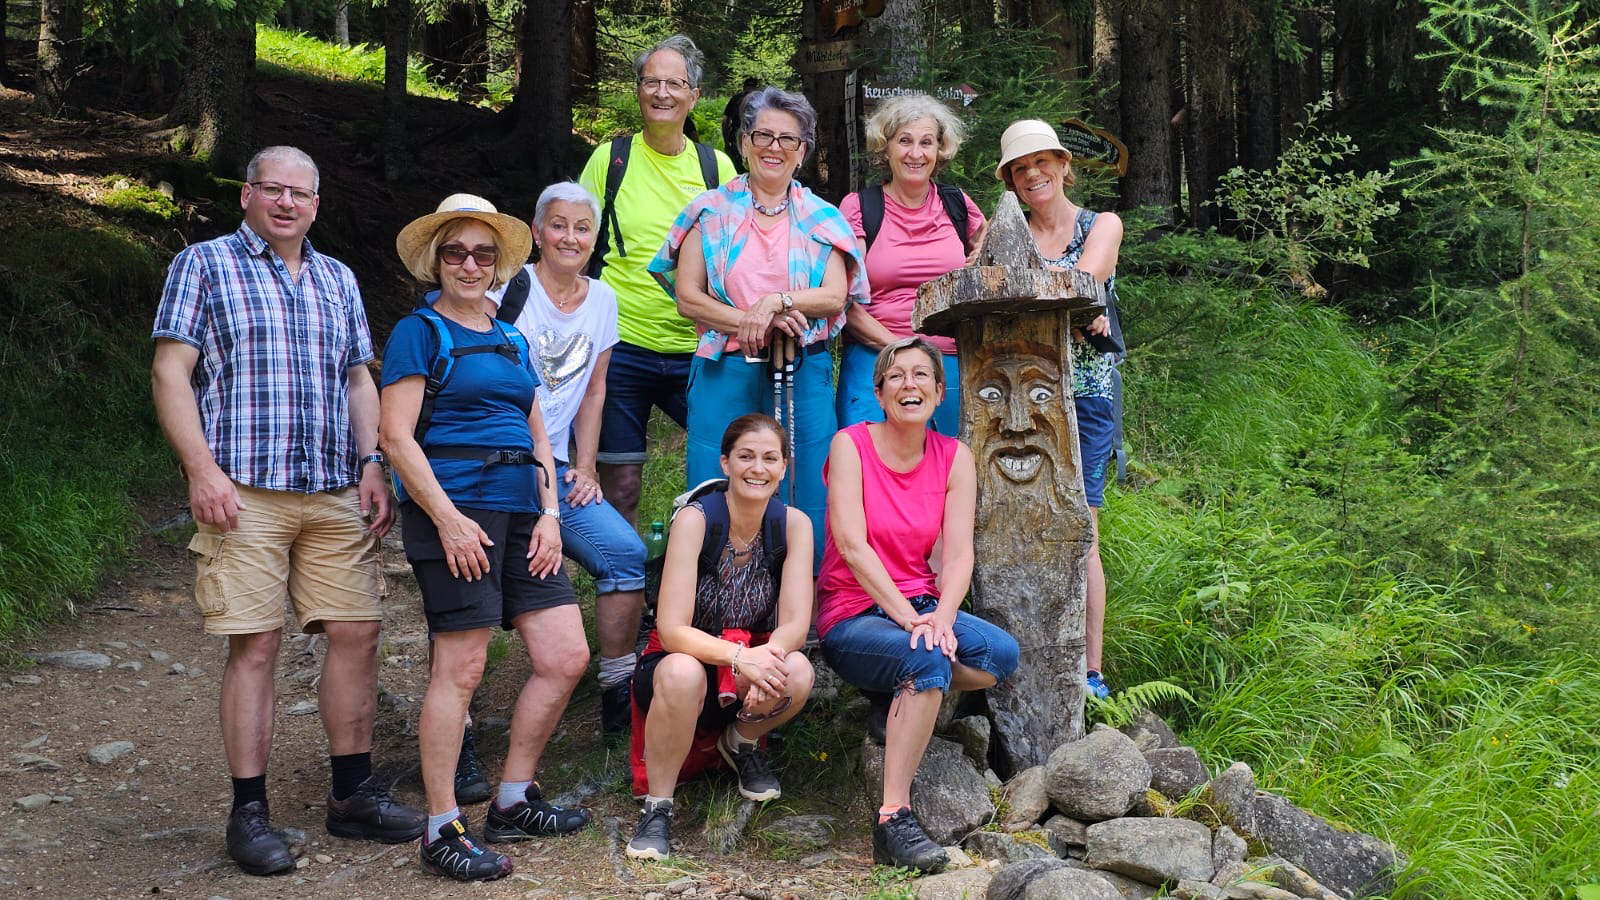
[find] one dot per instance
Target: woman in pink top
(910, 230)
(886, 621)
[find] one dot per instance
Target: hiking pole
(791, 352)
(774, 349)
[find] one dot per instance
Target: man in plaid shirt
(261, 384)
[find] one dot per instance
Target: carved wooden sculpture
(1012, 319)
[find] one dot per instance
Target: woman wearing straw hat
(479, 522)
(1035, 166)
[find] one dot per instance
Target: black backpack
(620, 148)
(955, 206)
(713, 497)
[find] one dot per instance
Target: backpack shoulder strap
(775, 534)
(621, 146)
(955, 206)
(438, 371)
(515, 296)
(708, 165)
(515, 338)
(871, 197)
(715, 505)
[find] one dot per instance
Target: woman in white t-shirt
(570, 321)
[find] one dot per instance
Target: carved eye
(1040, 393)
(989, 394)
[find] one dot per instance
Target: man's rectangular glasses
(676, 85)
(273, 191)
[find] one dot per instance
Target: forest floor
(89, 817)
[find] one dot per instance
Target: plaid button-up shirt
(271, 380)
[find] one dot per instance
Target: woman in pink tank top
(888, 623)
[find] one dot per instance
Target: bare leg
(248, 699)
(560, 654)
(966, 678)
(616, 618)
(1095, 611)
(348, 693)
(800, 677)
(680, 691)
(911, 720)
(458, 658)
(620, 482)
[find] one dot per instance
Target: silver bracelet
(734, 663)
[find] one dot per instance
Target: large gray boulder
(1151, 850)
(1232, 795)
(1068, 832)
(1003, 847)
(962, 884)
(1226, 848)
(1011, 882)
(948, 792)
(1350, 863)
(972, 733)
(1100, 777)
(1175, 771)
(1070, 884)
(1026, 800)
(1149, 732)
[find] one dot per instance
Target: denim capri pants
(873, 653)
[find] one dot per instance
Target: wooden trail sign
(1093, 147)
(1012, 319)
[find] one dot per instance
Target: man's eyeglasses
(455, 255)
(676, 85)
(273, 192)
(765, 139)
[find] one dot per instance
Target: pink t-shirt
(762, 266)
(905, 513)
(913, 246)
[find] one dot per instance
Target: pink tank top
(762, 266)
(905, 512)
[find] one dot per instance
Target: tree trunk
(60, 48)
(1105, 80)
(827, 169)
(1352, 21)
(456, 48)
(1147, 51)
(977, 20)
(1208, 144)
(1300, 83)
(542, 134)
(214, 99)
(5, 69)
(1071, 38)
(341, 22)
(585, 55)
(1258, 119)
(396, 48)
(906, 30)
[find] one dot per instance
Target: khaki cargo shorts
(311, 549)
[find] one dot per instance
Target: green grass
(294, 52)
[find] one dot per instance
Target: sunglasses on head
(456, 254)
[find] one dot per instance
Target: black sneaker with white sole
(756, 781)
(532, 818)
(454, 854)
(616, 712)
(900, 841)
(650, 838)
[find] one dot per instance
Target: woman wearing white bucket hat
(1035, 166)
(480, 522)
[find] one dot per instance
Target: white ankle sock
(511, 793)
(437, 822)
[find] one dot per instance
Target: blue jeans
(1096, 427)
(636, 380)
(598, 538)
(858, 403)
(723, 390)
(873, 653)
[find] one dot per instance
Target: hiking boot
(616, 712)
(650, 838)
(454, 854)
(1096, 684)
(254, 845)
(878, 716)
(901, 842)
(531, 818)
(370, 814)
(756, 781)
(471, 786)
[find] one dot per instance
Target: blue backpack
(445, 354)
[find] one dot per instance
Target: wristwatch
(788, 301)
(552, 512)
(373, 457)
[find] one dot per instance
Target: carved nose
(1018, 417)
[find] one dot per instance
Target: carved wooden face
(1020, 425)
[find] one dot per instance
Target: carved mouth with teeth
(1020, 464)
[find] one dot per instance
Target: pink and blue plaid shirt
(271, 381)
(816, 226)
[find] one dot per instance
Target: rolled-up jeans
(598, 538)
(874, 653)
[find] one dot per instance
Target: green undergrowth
(77, 434)
(291, 51)
(1350, 596)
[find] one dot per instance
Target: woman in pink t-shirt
(887, 622)
(917, 239)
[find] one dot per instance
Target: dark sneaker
(902, 842)
(878, 716)
(370, 814)
(454, 854)
(471, 786)
(254, 845)
(650, 838)
(1096, 684)
(532, 818)
(616, 712)
(756, 780)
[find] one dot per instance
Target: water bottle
(655, 546)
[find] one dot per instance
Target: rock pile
(1100, 820)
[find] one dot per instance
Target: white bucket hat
(512, 235)
(1023, 137)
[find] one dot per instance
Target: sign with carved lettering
(824, 56)
(957, 97)
(1093, 147)
(835, 15)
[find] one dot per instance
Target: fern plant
(1124, 706)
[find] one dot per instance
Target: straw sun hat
(512, 236)
(1024, 137)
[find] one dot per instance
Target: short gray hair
(693, 60)
(566, 192)
(783, 101)
(284, 155)
(888, 120)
